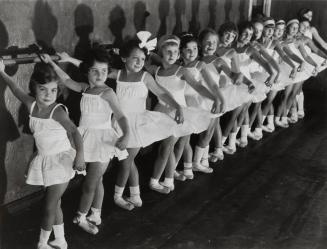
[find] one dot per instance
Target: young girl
(101, 141)
(146, 127)
(208, 40)
(173, 78)
(52, 167)
(295, 46)
(189, 55)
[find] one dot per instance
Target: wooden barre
(26, 60)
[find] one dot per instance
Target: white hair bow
(143, 37)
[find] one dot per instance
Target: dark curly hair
(95, 54)
(129, 46)
(43, 73)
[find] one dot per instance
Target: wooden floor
(269, 195)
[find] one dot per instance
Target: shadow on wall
(163, 10)
(83, 26)
(194, 24)
(117, 22)
(180, 7)
(140, 15)
(228, 8)
(212, 14)
(9, 132)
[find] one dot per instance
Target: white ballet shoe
(121, 202)
(229, 150)
(281, 124)
(135, 200)
(268, 128)
(188, 173)
(242, 143)
(44, 246)
(216, 155)
(60, 244)
(253, 136)
(178, 176)
(95, 219)
(86, 225)
(159, 188)
(199, 167)
(171, 186)
(300, 114)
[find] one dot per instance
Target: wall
(66, 25)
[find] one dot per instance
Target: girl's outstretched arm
(16, 90)
(197, 86)
(64, 77)
(255, 55)
(308, 58)
(270, 60)
(294, 57)
(285, 58)
(314, 48)
(64, 57)
(164, 95)
(62, 117)
(110, 96)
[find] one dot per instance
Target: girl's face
(258, 28)
(209, 44)
(135, 61)
(308, 15)
(246, 36)
(97, 74)
(170, 53)
(228, 37)
(190, 52)
(46, 94)
(304, 26)
(279, 31)
(293, 29)
(268, 32)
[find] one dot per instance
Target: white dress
(193, 98)
(98, 135)
(253, 72)
(234, 96)
(53, 163)
(195, 119)
(146, 127)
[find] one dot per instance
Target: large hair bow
(143, 37)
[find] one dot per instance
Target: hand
(215, 106)
(268, 81)
(2, 66)
(251, 87)
(276, 80)
(179, 115)
(46, 58)
(315, 71)
(64, 57)
(238, 79)
(293, 73)
(122, 142)
(79, 163)
(222, 106)
(301, 67)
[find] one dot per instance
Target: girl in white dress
(52, 167)
(101, 141)
(146, 127)
(174, 78)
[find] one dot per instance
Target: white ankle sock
(300, 101)
(134, 190)
(270, 119)
(198, 154)
(244, 131)
(284, 120)
(154, 181)
(118, 191)
(232, 140)
(44, 236)
(168, 181)
(59, 232)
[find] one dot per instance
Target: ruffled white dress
(195, 119)
(53, 163)
(193, 98)
(234, 96)
(146, 127)
(253, 72)
(99, 137)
